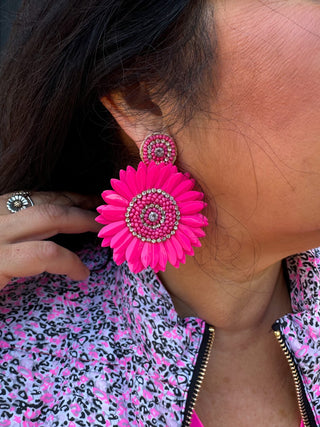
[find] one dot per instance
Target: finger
(67, 199)
(59, 198)
(32, 258)
(44, 221)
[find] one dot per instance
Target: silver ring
(18, 201)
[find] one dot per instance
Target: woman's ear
(137, 116)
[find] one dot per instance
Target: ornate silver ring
(18, 201)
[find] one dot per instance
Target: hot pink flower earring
(152, 215)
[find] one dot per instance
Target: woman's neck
(248, 380)
(231, 303)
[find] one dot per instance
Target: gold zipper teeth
(292, 366)
(201, 375)
(296, 379)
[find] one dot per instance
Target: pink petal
(136, 267)
(154, 255)
(152, 174)
(146, 254)
(106, 193)
(120, 238)
(199, 232)
(101, 220)
(185, 186)
(141, 177)
(189, 196)
(133, 252)
(177, 247)
(205, 220)
(171, 252)
(121, 246)
(112, 229)
(162, 176)
(115, 199)
(119, 257)
(103, 209)
(183, 259)
(106, 242)
(188, 231)
(165, 175)
(173, 168)
(131, 180)
(184, 242)
(172, 182)
(100, 208)
(194, 220)
(163, 257)
(121, 188)
(112, 213)
(190, 208)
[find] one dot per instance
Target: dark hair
(63, 55)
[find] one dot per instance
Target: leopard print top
(112, 351)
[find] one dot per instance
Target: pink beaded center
(153, 216)
(158, 148)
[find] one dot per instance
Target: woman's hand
(23, 252)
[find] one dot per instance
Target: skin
(257, 158)
(264, 131)
(23, 252)
(267, 205)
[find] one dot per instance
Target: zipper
(199, 372)
(305, 410)
(202, 364)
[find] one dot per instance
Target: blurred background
(8, 9)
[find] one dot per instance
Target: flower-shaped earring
(152, 215)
